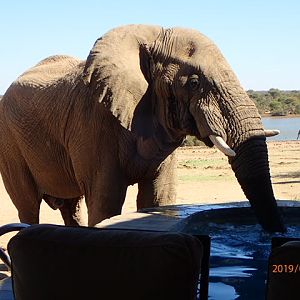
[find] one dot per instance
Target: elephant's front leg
(71, 211)
(106, 195)
(160, 190)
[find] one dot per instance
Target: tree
(274, 93)
(277, 109)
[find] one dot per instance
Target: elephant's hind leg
(17, 177)
(22, 190)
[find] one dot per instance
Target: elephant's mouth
(206, 141)
(216, 140)
(192, 129)
(207, 130)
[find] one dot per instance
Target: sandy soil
(204, 176)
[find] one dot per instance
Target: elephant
(72, 128)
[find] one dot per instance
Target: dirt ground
(204, 176)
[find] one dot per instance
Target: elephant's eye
(194, 82)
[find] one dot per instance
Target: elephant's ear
(146, 62)
(114, 72)
(91, 64)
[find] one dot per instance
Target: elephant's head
(185, 87)
(195, 92)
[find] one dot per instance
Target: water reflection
(219, 290)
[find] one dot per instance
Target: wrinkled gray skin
(73, 128)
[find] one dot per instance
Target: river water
(288, 126)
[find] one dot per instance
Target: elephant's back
(48, 71)
(41, 93)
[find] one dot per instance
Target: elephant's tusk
(221, 145)
(271, 132)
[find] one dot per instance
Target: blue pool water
(239, 250)
(239, 260)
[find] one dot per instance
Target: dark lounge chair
(57, 262)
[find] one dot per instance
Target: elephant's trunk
(251, 169)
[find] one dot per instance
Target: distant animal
(72, 128)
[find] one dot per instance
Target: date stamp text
(292, 268)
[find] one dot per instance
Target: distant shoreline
(283, 117)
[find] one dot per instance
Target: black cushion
(284, 272)
(57, 262)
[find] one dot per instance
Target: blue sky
(260, 39)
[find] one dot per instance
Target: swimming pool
(239, 247)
